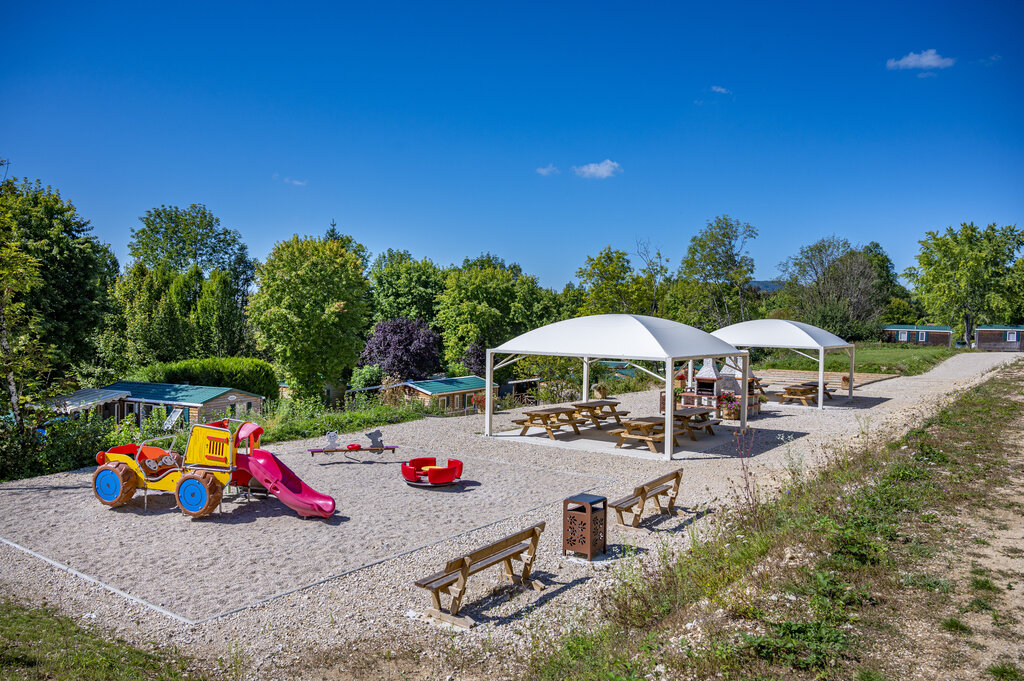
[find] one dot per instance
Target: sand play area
(257, 575)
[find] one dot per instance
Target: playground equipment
(213, 459)
(424, 472)
(332, 446)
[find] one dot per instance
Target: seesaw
(334, 448)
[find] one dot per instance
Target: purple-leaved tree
(402, 347)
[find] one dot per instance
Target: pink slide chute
(284, 484)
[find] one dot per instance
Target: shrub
(244, 373)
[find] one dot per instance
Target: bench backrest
(674, 477)
(480, 554)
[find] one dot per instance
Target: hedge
(243, 373)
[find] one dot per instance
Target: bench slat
(442, 579)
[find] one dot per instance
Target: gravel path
(258, 550)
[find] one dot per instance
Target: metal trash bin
(584, 524)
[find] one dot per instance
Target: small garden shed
(197, 402)
(919, 334)
(451, 394)
(1000, 337)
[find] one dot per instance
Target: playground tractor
(213, 459)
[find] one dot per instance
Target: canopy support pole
(586, 379)
(744, 390)
(489, 394)
(821, 378)
(646, 371)
(670, 406)
(689, 375)
(852, 350)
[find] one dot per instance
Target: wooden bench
(452, 579)
(707, 424)
(649, 438)
(667, 486)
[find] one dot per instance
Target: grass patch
(873, 357)
(1005, 671)
(956, 626)
(862, 524)
(38, 644)
(983, 584)
(928, 582)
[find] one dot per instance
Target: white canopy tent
(618, 337)
(790, 335)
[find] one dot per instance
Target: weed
(801, 645)
(869, 675)
(927, 582)
(955, 626)
(979, 605)
(1005, 671)
(983, 584)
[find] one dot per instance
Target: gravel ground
(197, 569)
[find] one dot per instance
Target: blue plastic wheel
(192, 495)
(107, 485)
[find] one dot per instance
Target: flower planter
(730, 414)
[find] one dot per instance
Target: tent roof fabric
(779, 333)
(619, 336)
(87, 398)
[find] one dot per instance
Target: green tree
(834, 286)
(405, 287)
(611, 285)
(718, 260)
(181, 238)
(310, 310)
(74, 269)
(20, 353)
(963, 276)
(485, 306)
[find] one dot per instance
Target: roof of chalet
(173, 393)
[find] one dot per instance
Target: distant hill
(767, 285)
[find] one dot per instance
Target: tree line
(327, 313)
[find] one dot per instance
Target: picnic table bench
(599, 410)
(814, 384)
(550, 419)
(452, 579)
(649, 429)
(692, 419)
(806, 394)
(665, 486)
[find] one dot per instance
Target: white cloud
(927, 74)
(598, 171)
(549, 169)
(297, 183)
(720, 90)
(929, 59)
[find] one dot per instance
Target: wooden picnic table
(806, 394)
(814, 384)
(649, 429)
(692, 419)
(550, 419)
(599, 410)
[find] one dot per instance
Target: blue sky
(423, 125)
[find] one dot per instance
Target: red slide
(284, 484)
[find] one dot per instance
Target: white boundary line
(97, 582)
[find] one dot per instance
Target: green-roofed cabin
(199, 403)
(919, 334)
(1002, 337)
(451, 394)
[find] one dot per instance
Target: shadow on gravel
(235, 510)
(508, 592)
(663, 522)
(765, 440)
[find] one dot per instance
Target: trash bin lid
(587, 499)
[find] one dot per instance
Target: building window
(231, 410)
(903, 336)
(922, 336)
(1011, 336)
(442, 402)
(248, 407)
